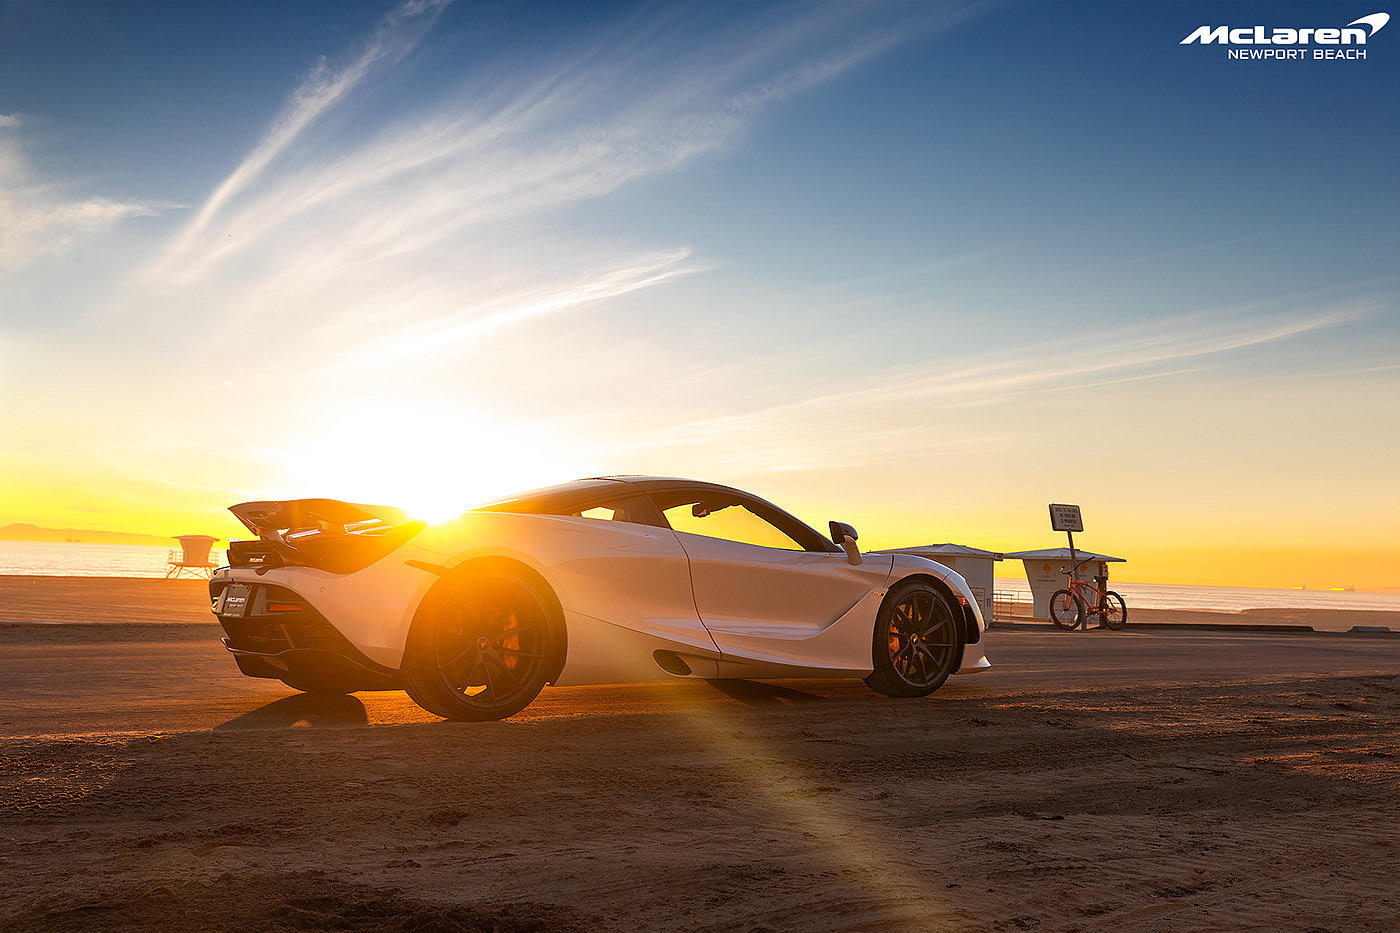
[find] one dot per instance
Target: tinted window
(635, 509)
(732, 517)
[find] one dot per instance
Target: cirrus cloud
(41, 217)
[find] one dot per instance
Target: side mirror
(846, 536)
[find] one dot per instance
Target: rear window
(610, 505)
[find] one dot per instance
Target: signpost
(1066, 518)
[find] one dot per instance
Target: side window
(731, 521)
(633, 509)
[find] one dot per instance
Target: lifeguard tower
(1045, 572)
(192, 557)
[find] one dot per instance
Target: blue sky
(872, 256)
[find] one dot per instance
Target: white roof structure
(1060, 553)
(947, 550)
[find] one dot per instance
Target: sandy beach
(44, 599)
(1161, 780)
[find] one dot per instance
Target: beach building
(1045, 572)
(193, 557)
(973, 564)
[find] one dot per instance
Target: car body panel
(620, 573)
(373, 607)
(606, 653)
(761, 592)
(843, 646)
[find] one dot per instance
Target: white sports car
(602, 580)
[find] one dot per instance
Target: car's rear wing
(269, 519)
(340, 537)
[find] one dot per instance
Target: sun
(432, 462)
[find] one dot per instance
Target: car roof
(641, 484)
(544, 492)
(670, 482)
(587, 483)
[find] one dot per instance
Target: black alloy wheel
(917, 643)
(487, 649)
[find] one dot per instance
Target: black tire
(1066, 609)
(485, 647)
(917, 642)
(1115, 615)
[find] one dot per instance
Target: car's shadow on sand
(756, 693)
(301, 709)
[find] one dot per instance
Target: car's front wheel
(917, 641)
(485, 647)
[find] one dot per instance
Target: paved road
(97, 681)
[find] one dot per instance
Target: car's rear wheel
(1066, 609)
(917, 641)
(485, 647)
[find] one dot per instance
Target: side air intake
(671, 663)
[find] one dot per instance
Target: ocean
(138, 560)
(60, 559)
(1224, 598)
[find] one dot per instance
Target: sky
(921, 267)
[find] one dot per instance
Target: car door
(612, 558)
(752, 579)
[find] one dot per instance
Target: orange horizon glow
(1173, 552)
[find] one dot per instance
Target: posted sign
(1065, 518)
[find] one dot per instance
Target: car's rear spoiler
(340, 537)
(272, 518)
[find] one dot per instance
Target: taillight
(283, 607)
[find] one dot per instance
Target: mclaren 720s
(604, 580)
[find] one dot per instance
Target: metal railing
(1008, 605)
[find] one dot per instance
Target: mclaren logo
(1283, 42)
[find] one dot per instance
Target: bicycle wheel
(1066, 609)
(1114, 611)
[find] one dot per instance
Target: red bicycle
(1070, 607)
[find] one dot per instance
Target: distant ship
(1349, 588)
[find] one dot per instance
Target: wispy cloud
(447, 333)
(510, 145)
(900, 412)
(412, 244)
(40, 217)
(326, 86)
(1358, 371)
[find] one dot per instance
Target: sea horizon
(77, 559)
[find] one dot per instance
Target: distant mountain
(20, 532)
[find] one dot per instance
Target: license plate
(235, 601)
